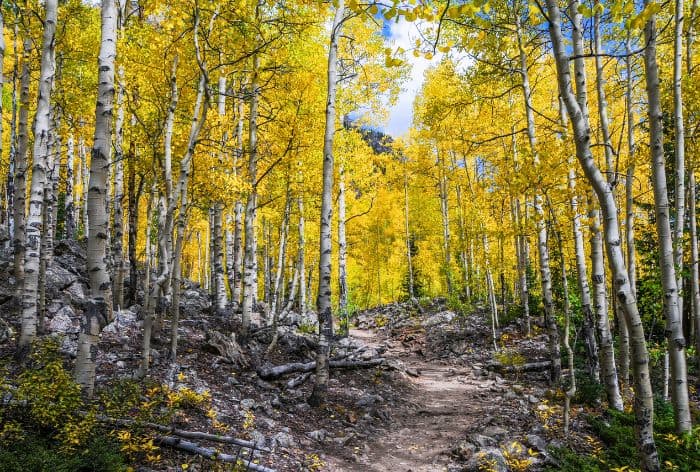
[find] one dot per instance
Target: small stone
(536, 442)
(495, 432)
(464, 450)
(283, 439)
(533, 399)
(248, 404)
(483, 441)
(489, 458)
(318, 435)
(413, 372)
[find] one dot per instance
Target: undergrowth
(47, 425)
(616, 431)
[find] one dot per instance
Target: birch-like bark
(82, 151)
(679, 149)
(133, 197)
(323, 303)
(607, 350)
(40, 168)
(250, 263)
(603, 101)
(674, 328)
(118, 204)
(4, 221)
(543, 250)
(342, 254)
(301, 256)
(158, 291)
(582, 278)
(13, 140)
(695, 276)
(230, 274)
(218, 259)
(490, 290)
(237, 253)
(69, 204)
(281, 257)
(199, 117)
(690, 41)
(629, 213)
(19, 235)
(445, 212)
(99, 277)
(407, 230)
(571, 391)
(523, 263)
(644, 404)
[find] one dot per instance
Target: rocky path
(445, 402)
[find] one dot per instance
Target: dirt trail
(443, 404)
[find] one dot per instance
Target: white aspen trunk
(491, 291)
(543, 250)
(301, 257)
(584, 289)
(323, 303)
(407, 229)
(607, 350)
(20, 179)
(218, 259)
(523, 262)
(134, 195)
(674, 328)
(13, 141)
(4, 212)
(695, 275)
(250, 271)
(629, 214)
(342, 254)
(644, 404)
(571, 391)
(118, 204)
(679, 148)
(603, 102)
(157, 292)
(69, 204)
(581, 269)
(99, 311)
(281, 257)
(82, 150)
(199, 117)
(148, 250)
(445, 212)
(49, 214)
(230, 274)
(690, 35)
(40, 168)
(237, 253)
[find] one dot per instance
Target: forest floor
(453, 414)
(438, 401)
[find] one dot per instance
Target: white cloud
(404, 34)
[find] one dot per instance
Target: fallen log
(529, 367)
(297, 381)
(198, 435)
(209, 453)
(270, 373)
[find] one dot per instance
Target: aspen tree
(644, 405)
(323, 303)
(20, 177)
(98, 310)
(40, 169)
(543, 250)
(672, 307)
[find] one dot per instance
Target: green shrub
(39, 454)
